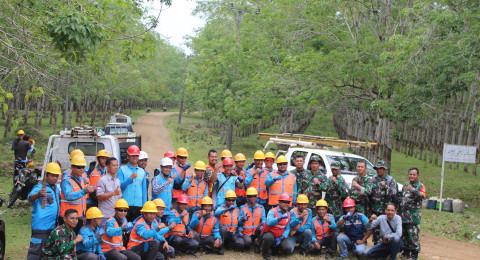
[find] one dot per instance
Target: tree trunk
(94, 110)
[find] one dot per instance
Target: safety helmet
(32, 142)
(282, 159)
(240, 157)
(121, 203)
(182, 198)
(270, 155)
(227, 161)
(206, 201)
(166, 162)
(149, 206)
(252, 191)
(321, 203)
(348, 202)
(103, 153)
(259, 155)
(30, 164)
(53, 168)
(226, 153)
(76, 152)
(285, 197)
(199, 165)
(302, 198)
(78, 160)
(159, 203)
(230, 194)
(143, 155)
(93, 213)
(182, 152)
(20, 132)
(133, 150)
(170, 154)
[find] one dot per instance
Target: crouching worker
(301, 221)
(277, 228)
(167, 250)
(354, 224)
(90, 248)
(325, 231)
(204, 227)
(252, 220)
(228, 216)
(61, 242)
(178, 236)
(115, 228)
(144, 233)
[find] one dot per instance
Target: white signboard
(459, 153)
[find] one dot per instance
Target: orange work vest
(95, 175)
(285, 185)
(112, 243)
(68, 173)
(241, 192)
(180, 229)
(297, 215)
(136, 239)
(229, 219)
(322, 231)
(205, 228)
(195, 193)
(277, 230)
(254, 220)
(80, 204)
(177, 193)
(259, 183)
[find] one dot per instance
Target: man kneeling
(204, 228)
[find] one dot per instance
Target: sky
(177, 21)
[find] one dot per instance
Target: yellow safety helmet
(78, 160)
(76, 152)
(206, 201)
(182, 152)
(30, 164)
(53, 168)
(270, 155)
(321, 203)
(159, 203)
(252, 191)
(199, 165)
(121, 203)
(259, 155)
(282, 159)
(302, 198)
(149, 206)
(240, 157)
(93, 213)
(20, 132)
(226, 153)
(103, 153)
(230, 194)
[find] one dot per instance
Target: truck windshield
(116, 130)
(88, 148)
(349, 164)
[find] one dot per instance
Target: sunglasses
(282, 201)
(181, 157)
(79, 167)
(230, 200)
(251, 196)
(281, 164)
(122, 210)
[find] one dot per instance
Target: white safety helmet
(143, 155)
(166, 162)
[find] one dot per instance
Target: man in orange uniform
(94, 173)
(241, 173)
(204, 227)
(256, 177)
(252, 219)
(180, 170)
(325, 231)
(178, 236)
(228, 216)
(195, 187)
(280, 182)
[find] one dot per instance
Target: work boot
(256, 248)
(303, 252)
(219, 251)
(414, 256)
(267, 257)
(329, 256)
(406, 254)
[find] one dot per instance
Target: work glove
(157, 228)
(277, 178)
(348, 215)
(240, 235)
(278, 240)
(283, 216)
(102, 257)
(231, 208)
(100, 232)
(244, 218)
(187, 165)
(240, 179)
(128, 226)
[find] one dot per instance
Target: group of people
(107, 211)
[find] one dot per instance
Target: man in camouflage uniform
(337, 190)
(300, 172)
(313, 183)
(359, 189)
(414, 192)
(60, 244)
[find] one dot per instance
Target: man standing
(225, 181)
(195, 187)
(337, 190)
(280, 182)
(133, 183)
(238, 170)
(414, 192)
(142, 163)
(44, 219)
(256, 177)
(359, 189)
(180, 170)
(162, 186)
(314, 183)
(269, 160)
(212, 169)
(95, 174)
(61, 242)
(108, 190)
(300, 173)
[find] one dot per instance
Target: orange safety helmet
(348, 202)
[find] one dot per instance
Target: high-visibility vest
(80, 204)
(112, 243)
(205, 228)
(176, 192)
(259, 183)
(322, 230)
(136, 239)
(229, 219)
(95, 175)
(241, 192)
(297, 215)
(284, 185)
(180, 229)
(195, 193)
(68, 173)
(254, 220)
(277, 230)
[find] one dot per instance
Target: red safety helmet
(170, 154)
(182, 198)
(133, 150)
(348, 202)
(285, 197)
(228, 161)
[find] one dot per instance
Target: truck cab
(121, 118)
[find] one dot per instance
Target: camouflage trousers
(411, 237)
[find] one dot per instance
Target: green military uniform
(311, 189)
(301, 177)
(337, 192)
(360, 196)
(60, 244)
(410, 207)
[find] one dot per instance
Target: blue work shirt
(145, 233)
(133, 191)
(269, 181)
(67, 189)
(44, 219)
(110, 229)
(252, 211)
(229, 185)
(187, 184)
(273, 221)
(178, 220)
(332, 225)
(161, 233)
(295, 220)
(195, 221)
(161, 189)
(90, 241)
(249, 179)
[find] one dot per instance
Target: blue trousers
(383, 250)
(345, 243)
(302, 238)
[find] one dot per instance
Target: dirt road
(156, 141)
